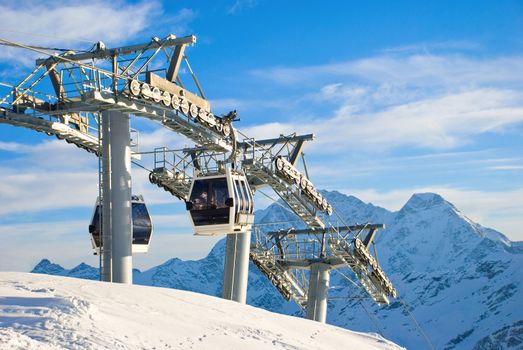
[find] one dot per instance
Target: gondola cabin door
(221, 204)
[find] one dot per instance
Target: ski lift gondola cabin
(221, 204)
(142, 226)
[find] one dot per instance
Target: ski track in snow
(49, 312)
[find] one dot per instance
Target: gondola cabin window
(208, 200)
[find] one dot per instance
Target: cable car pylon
(82, 89)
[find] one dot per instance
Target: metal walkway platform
(60, 130)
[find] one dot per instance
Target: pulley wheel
(157, 94)
(166, 99)
(279, 164)
(303, 183)
(193, 110)
(218, 126)
(134, 87)
(184, 105)
(145, 91)
(175, 102)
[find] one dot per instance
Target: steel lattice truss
(143, 80)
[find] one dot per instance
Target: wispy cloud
(394, 100)
(434, 47)
(73, 21)
(53, 175)
(25, 244)
(415, 70)
(506, 167)
(38, 190)
(240, 5)
(80, 24)
(441, 122)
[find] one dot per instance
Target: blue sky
(403, 97)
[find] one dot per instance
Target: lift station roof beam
(102, 53)
(328, 230)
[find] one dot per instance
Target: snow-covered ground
(49, 312)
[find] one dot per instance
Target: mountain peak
(425, 201)
(47, 267)
(80, 266)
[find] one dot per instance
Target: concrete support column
(318, 292)
(228, 269)
(106, 251)
(236, 269)
(122, 237)
(241, 267)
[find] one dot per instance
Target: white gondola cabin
(221, 204)
(142, 226)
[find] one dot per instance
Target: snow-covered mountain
(40, 312)
(462, 282)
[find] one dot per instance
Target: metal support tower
(286, 255)
(318, 291)
(120, 144)
(228, 269)
(236, 267)
(241, 267)
(105, 247)
(297, 263)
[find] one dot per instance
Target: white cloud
(226, 104)
(70, 21)
(415, 70)
(35, 190)
(67, 242)
(427, 47)
(506, 167)
(13, 147)
(80, 24)
(53, 175)
(64, 242)
(240, 5)
(403, 99)
(162, 137)
(441, 122)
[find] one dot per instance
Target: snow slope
(461, 281)
(50, 312)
